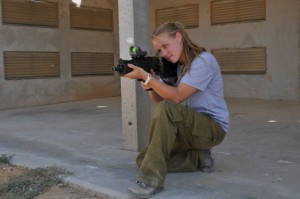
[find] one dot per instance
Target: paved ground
(259, 158)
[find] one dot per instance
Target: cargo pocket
(205, 132)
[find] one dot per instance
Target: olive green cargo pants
(178, 136)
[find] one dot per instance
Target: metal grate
(31, 65)
(24, 12)
(91, 18)
(91, 63)
(241, 60)
(188, 15)
(231, 11)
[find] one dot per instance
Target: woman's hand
(136, 73)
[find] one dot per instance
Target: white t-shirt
(205, 76)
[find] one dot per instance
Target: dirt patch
(60, 191)
(7, 171)
(67, 192)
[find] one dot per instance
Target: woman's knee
(160, 107)
(165, 106)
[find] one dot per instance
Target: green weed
(32, 183)
(6, 159)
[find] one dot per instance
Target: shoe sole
(144, 196)
(208, 170)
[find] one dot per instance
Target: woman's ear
(178, 36)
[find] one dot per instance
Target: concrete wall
(279, 34)
(32, 92)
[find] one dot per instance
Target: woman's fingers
(134, 73)
(131, 66)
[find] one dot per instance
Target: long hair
(190, 49)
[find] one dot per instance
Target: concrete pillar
(136, 106)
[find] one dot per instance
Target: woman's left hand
(136, 73)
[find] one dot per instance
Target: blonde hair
(190, 49)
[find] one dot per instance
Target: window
(241, 60)
(31, 65)
(232, 11)
(91, 63)
(91, 18)
(35, 13)
(188, 15)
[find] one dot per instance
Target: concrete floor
(259, 158)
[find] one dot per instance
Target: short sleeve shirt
(205, 76)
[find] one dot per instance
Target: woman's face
(168, 47)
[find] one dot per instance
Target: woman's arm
(177, 94)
